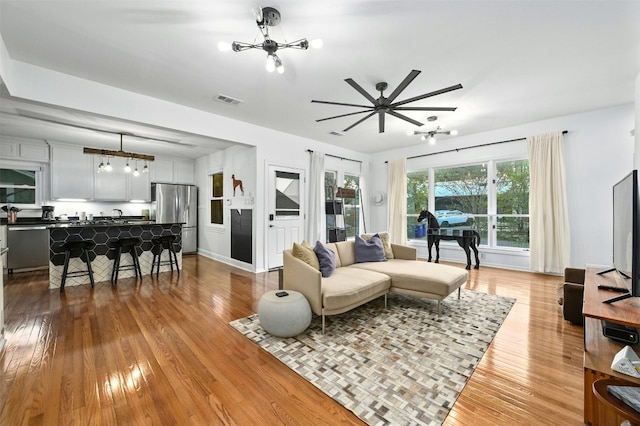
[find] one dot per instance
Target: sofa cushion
(419, 276)
(386, 243)
(347, 287)
(327, 259)
(347, 252)
(334, 248)
(304, 252)
(369, 251)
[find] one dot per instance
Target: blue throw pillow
(369, 251)
(327, 259)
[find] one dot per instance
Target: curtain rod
(335, 156)
(564, 132)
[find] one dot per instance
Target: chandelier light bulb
(145, 169)
(432, 140)
(453, 132)
(410, 133)
(316, 43)
(108, 166)
(224, 46)
(127, 168)
(136, 173)
(271, 66)
(423, 137)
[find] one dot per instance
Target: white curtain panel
(397, 206)
(548, 216)
(315, 215)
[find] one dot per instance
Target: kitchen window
(19, 186)
(217, 202)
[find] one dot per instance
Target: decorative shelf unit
(334, 210)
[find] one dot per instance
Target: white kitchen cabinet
(72, 173)
(3, 243)
(161, 171)
(139, 187)
(110, 186)
(172, 171)
(17, 149)
(184, 171)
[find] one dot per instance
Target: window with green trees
(491, 197)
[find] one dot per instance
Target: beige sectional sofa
(353, 284)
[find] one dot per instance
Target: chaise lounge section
(352, 284)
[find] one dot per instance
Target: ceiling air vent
(227, 99)
(336, 133)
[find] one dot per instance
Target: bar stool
(159, 244)
(126, 245)
(70, 250)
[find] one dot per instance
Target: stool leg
(175, 256)
(159, 258)
(67, 255)
(169, 249)
(136, 262)
(86, 256)
(153, 262)
(116, 266)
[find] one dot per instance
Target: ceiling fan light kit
(386, 105)
(268, 17)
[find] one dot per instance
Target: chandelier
(130, 156)
(269, 17)
(430, 135)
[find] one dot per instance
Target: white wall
(599, 152)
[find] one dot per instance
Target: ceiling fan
(383, 106)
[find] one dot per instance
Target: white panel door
(286, 211)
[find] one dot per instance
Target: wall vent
(227, 99)
(336, 133)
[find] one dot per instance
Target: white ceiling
(519, 61)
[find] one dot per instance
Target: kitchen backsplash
(73, 208)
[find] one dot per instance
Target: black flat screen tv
(626, 235)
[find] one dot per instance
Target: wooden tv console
(599, 350)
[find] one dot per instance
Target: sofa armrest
(574, 275)
(404, 252)
(572, 304)
(299, 276)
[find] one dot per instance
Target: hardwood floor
(160, 351)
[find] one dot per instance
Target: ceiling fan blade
(428, 95)
(404, 117)
(358, 122)
(342, 115)
(340, 103)
(407, 80)
(425, 108)
(381, 121)
(361, 90)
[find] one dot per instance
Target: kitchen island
(104, 234)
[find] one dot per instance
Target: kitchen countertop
(26, 223)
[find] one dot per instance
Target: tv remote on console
(613, 288)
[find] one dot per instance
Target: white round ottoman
(285, 316)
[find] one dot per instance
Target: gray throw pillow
(327, 259)
(369, 251)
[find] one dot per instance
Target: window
(512, 201)
(352, 206)
(464, 197)
(19, 186)
(217, 202)
(287, 194)
(417, 200)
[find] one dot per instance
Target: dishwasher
(28, 247)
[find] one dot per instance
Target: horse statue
(469, 240)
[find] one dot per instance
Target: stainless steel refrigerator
(179, 204)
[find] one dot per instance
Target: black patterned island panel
(102, 254)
